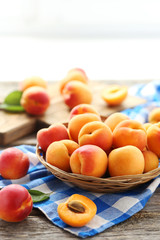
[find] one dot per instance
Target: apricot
(115, 118)
(58, 153)
(114, 95)
(130, 132)
(14, 163)
(77, 211)
(153, 138)
(35, 100)
(96, 133)
(15, 203)
(32, 81)
(77, 122)
(126, 160)
(151, 161)
(75, 74)
(55, 132)
(89, 160)
(81, 109)
(75, 93)
(154, 115)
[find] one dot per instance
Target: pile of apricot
(116, 147)
(88, 146)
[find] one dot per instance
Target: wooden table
(143, 225)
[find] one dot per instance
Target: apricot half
(114, 94)
(77, 211)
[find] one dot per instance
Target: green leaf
(11, 108)
(38, 196)
(13, 98)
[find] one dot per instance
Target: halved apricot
(77, 211)
(114, 94)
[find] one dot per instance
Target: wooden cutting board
(16, 125)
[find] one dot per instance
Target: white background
(109, 39)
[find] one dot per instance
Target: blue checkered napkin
(151, 92)
(111, 208)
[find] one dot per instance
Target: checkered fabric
(112, 208)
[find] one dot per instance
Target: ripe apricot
(14, 163)
(130, 132)
(77, 122)
(154, 115)
(77, 211)
(115, 118)
(114, 95)
(151, 161)
(75, 74)
(32, 81)
(96, 133)
(153, 138)
(35, 100)
(55, 132)
(58, 153)
(81, 109)
(75, 93)
(15, 203)
(89, 160)
(126, 160)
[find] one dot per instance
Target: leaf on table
(11, 108)
(38, 196)
(12, 102)
(13, 98)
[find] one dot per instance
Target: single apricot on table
(35, 100)
(77, 211)
(32, 81)
(75, 74)
(15, 203)
(114, 95)
(75, 93)
(14, 163)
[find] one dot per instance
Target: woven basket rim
(108, 184)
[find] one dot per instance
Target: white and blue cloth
(112, 208)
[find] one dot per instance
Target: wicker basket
(94, 184)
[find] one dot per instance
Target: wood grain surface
(16, 125)
(144, 225)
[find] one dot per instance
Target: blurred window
(80, 18)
